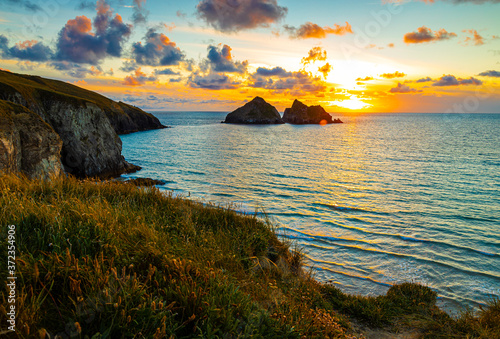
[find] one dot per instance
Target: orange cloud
(364, 79)
(326, 69)
(315, 54)
(425, 34)
(138, 79)
(312, 30)
(26, 44)
(80, 24)
(393, 75)
(476, 38)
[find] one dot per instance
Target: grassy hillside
(110, 260)
(124, 118)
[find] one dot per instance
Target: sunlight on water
(378, 200)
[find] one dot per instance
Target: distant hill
(124, 118)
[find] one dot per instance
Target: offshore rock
(257, 111)
(300, 114)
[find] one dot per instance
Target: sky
(436, 56)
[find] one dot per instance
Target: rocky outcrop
(27, 143)
(86, 122)
(27, 89)
(145, 182)
(257, 111)
(127, 119)
(301, 114)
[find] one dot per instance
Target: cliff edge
(86, 122)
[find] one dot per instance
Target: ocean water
(378, 200)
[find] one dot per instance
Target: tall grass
(107, 259)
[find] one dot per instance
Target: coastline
(90, 251)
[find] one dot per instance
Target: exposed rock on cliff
(27, 89)
(86, 122)
(300, 114)
(257, 111)
(27, 143)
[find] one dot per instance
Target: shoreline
(202, 268)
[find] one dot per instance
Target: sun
(353, 103)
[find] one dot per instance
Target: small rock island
(300, 114)
(257, 111)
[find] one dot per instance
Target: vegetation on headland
(108, 259)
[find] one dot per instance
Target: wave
(329, 240)
(366, 278)
(457, 267)
(413, 239)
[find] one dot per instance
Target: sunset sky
(212, 55)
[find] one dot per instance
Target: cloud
(29, 5)
(393, 75)
(140, 15)
(365, 79)
(300, 82)
(326, 69)
(211, 74)
(220, 60)
(157, 51)
(403, 89)
(424, 34)
(138, 79)
(128, 66)
(77, 43)
(30, 50)
(214, 81)
(494, 74)
(76, 70)
(181, 14)
(451, 80)
(276, 71)
(428, 79)
(315, 54)
(476, 38)
(166, 71)
(311, 30)
(236, 15)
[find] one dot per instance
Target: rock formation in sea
(300, 114)
(87, 123)
(257, 111)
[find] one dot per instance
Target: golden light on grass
(131, 251)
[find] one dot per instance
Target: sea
(378, 200)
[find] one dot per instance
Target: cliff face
(257, 111)
(27, 143)
(86, 122)
(129, 119)
(300, 114)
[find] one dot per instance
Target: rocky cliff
(257, 111)
(27, 143)
(300, 114)
(87, 123)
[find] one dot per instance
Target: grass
(36, 91)
(110, 260)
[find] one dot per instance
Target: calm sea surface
(378, 200)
